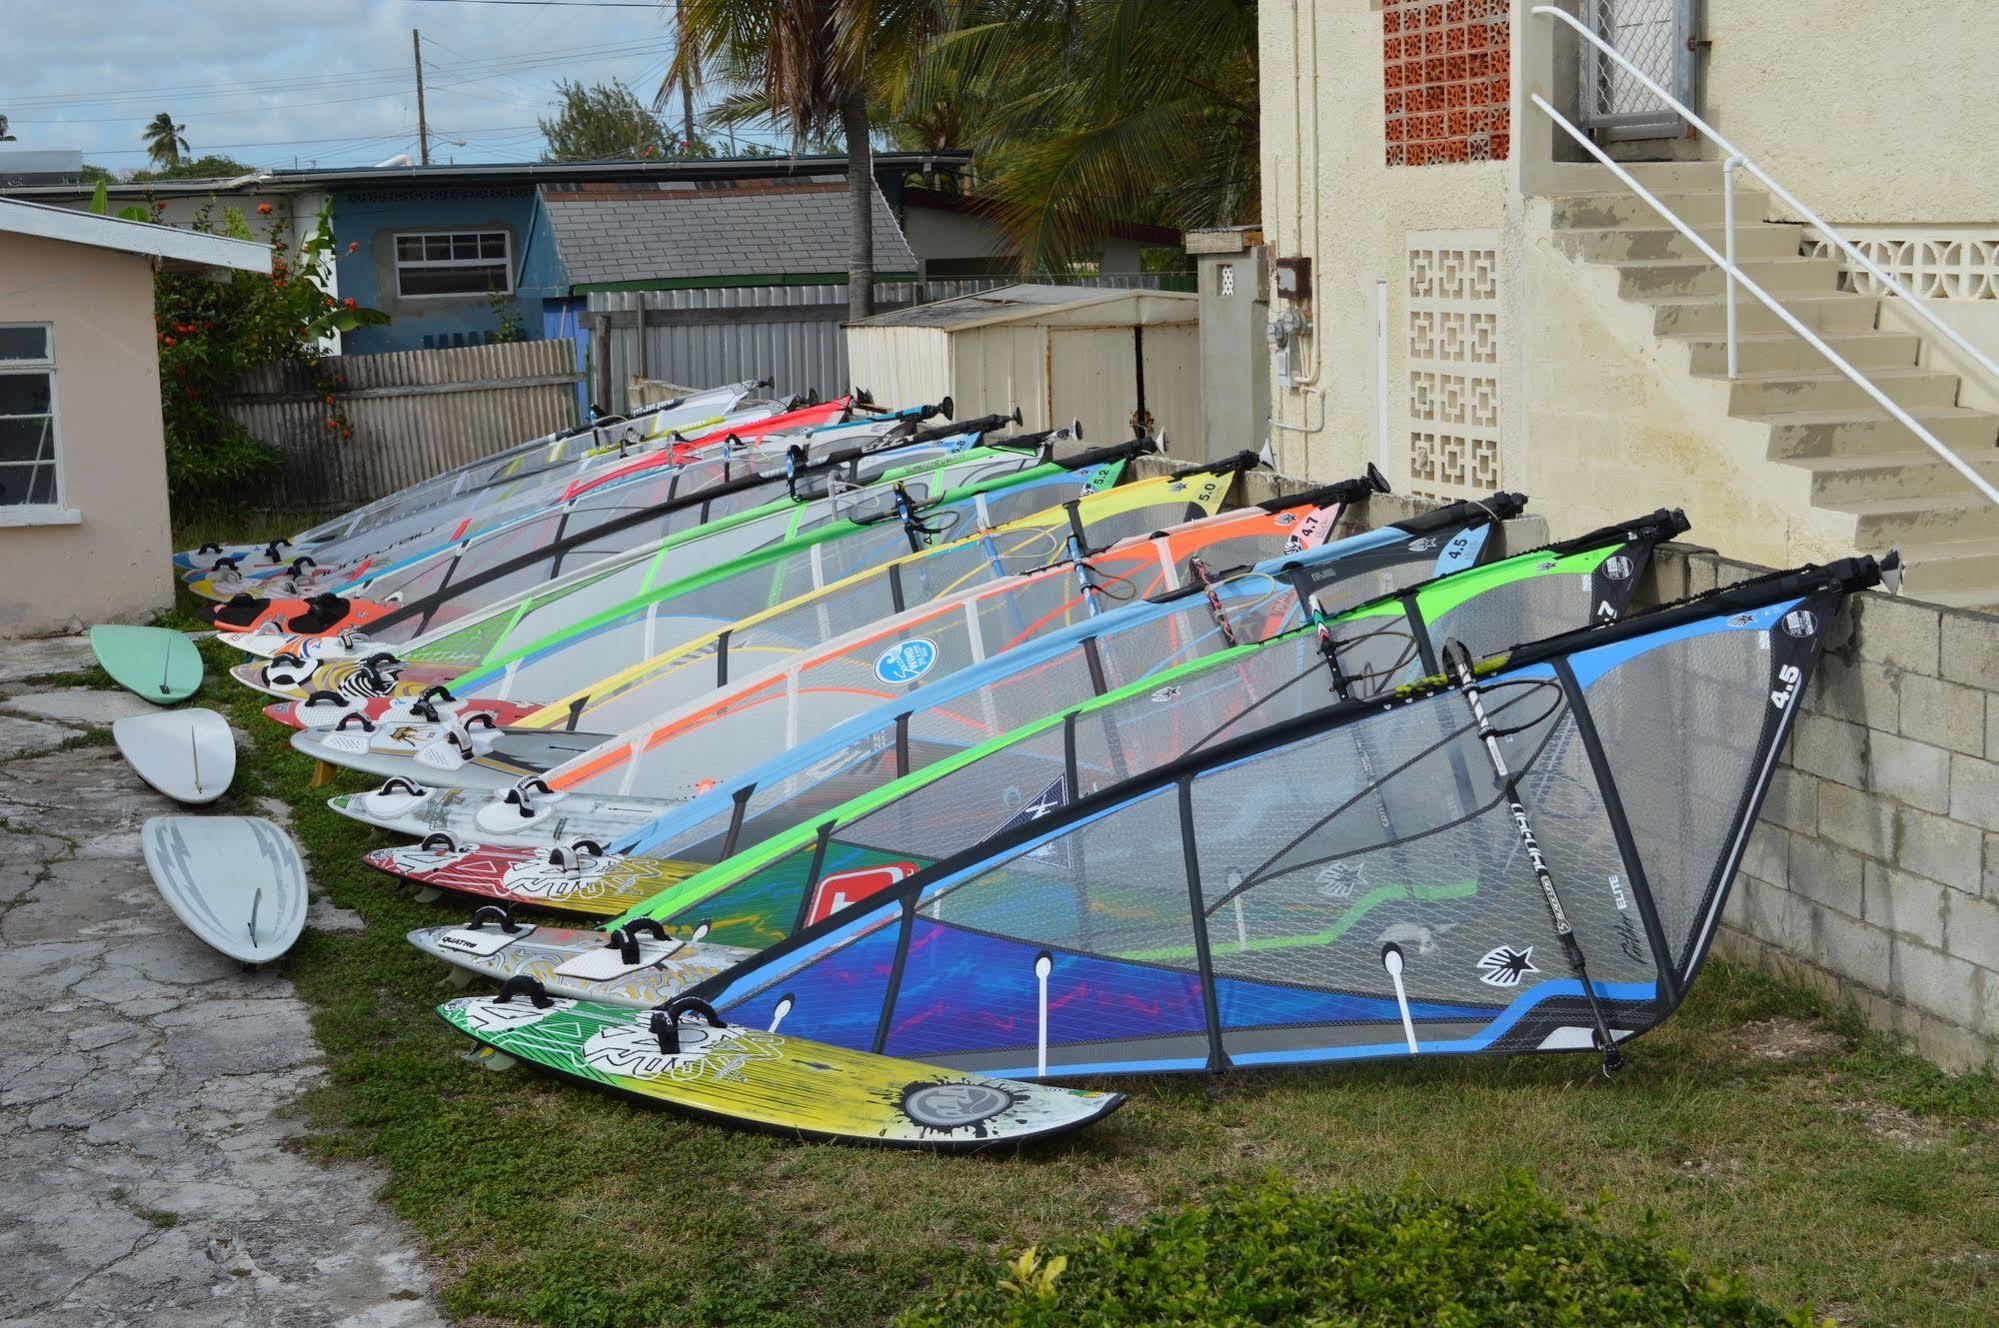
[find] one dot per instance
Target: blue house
(457, 254)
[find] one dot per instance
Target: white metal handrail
(1737, 160)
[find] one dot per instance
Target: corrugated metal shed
(1110, 358)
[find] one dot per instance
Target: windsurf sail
(666, 505)
(805, 688)
(1362, 880)
(821, 572)
(1061, 755)
(336, 563)
(833, 856)
(602, 434)
(719, 484)
(868, 521)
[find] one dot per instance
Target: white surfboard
(189, 755)
(236, 881)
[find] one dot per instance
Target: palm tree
(163, 140)
(1086, 113)
(806, 64)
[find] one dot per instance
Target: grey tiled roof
(771, 228)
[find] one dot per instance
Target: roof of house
(1029, 300)
(918, 196)
(675, 231)
(530, 173)
(177, 249)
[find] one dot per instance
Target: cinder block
(1941, 849)
(1735, 908)
(1768, 853)
(1974, 791)
(1944, 714)
(1854, 950)
(1956, 1049)
(1909, 771)
(1909, 905)
(1992, 728)
(1827, 874)
(1898, 632)
(1858, 691)
(1863, 822)
(1942, 984)
(1793, 800)
(1831, 749)
(1990, 888)
(1970, 649)
(1973, 932)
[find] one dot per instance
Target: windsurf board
(188, 754)
(763, 1079)
(236, 881)
(154, 662)
(645, 970)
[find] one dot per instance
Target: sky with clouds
(323, 81)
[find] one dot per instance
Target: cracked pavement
(149, 1166)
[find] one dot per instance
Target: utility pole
(422, 126)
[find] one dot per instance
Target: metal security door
(1658, 37)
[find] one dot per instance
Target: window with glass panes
(453, 263)
(27, 415)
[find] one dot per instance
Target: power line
(471, 70)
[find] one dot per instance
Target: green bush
(1272, 1256)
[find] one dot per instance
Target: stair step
(1767, 352)
(1839, 480)
(1800, 435)
(1891, 522)
(1779, 276)
(1822, 311)
(1832, 390)
(1697, 208)
(1663, 244)
(1963, 573)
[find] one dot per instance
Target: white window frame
(42, 514)
(506, 262)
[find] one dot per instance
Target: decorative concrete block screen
(1453, 356)
(1447, 69)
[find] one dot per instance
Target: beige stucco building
(1484, 305)
(83, 487)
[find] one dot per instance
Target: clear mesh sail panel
(1392, 831)
(677, 614)
(1680, 725)
(565, 523)
(1313, 858)
(724, 543)
(1240, 694)
(1522, 609)
(820, 615)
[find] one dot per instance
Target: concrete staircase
(1862, 463)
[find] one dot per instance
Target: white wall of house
(100, 553)
(1504, 365)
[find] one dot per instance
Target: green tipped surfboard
(154, 662)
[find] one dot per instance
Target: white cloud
(310, 79)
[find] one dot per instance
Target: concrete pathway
(149, 1172)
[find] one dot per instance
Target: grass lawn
(1759, 1131)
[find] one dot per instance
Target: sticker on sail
(1504, 966)
(905, 663)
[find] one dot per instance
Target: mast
(1460, 662)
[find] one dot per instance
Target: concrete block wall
(1873, 876)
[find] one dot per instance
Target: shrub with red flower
(212, 334)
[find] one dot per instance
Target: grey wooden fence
(414, 413)
(790, 334)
